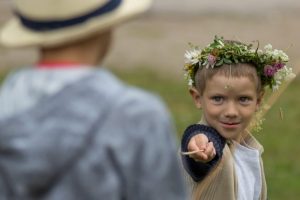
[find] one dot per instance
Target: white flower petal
(190, 83)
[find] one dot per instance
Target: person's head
(228, 96)
(52, 23)
(228, 80)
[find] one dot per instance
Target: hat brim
(14, 34)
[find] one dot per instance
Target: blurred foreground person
(71, 131)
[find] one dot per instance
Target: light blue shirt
(91, 137)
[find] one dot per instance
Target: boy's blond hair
(232, 70)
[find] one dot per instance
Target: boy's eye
(244, 100)
(217, 99)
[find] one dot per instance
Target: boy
(228, 79)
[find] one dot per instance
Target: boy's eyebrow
(215, 93)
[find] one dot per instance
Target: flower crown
(270, 64)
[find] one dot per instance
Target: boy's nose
(231, 110)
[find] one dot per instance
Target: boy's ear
(260, 99)
(196, 96)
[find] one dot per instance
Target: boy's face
(228, 104)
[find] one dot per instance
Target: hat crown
(46, 23)
(55, 9)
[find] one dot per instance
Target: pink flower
(269, 70)
(278, 66)
(211, 60)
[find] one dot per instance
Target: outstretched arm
(207, 145)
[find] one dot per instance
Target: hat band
(58, 24)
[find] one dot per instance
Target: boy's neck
(90, 51)
(203, 121)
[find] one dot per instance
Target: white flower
(268, 47)
(289, 74)
(277, 54)
(190, 83)
(279, 76)
(284, 74)
(269, 50)
(186, 75)
(192, 57)
(280, 54)
(221, 43)
(275, 87)
(259, 51)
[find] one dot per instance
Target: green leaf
(220, 62)
(235, 60)
(227, 61)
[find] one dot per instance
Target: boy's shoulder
(252, 142)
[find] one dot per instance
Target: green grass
(279, 137)
(282, 149)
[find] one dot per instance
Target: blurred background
(148, 52)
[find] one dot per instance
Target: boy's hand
(204, 150)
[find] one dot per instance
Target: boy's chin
(230, 135)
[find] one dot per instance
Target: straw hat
(54, 22)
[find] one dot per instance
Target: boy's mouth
(230, 125)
